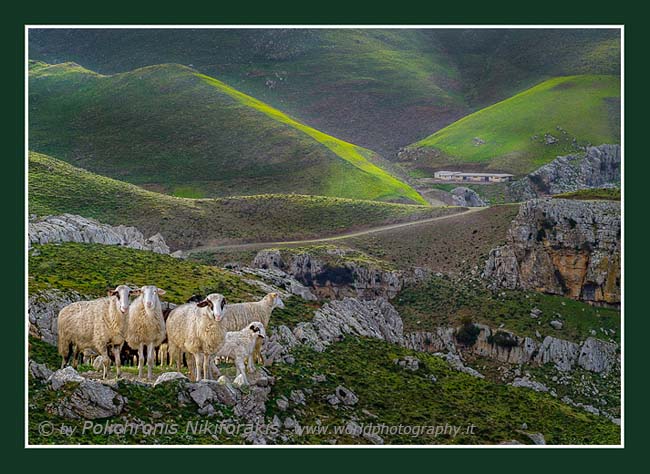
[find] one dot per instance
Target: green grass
(608, 194)
(392, 396)
(56, 187)
(348, 82)
(171, 129)
(388, 395)
(514, 129)
(444, 302)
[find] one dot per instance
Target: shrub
(468, 332)
(503, 339)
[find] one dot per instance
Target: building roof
(458, 173)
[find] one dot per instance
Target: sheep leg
(75, 356)
(118, 362)
(241, 368)
(205, 367)
(140, 359)
(251, 364)
(197, 366)
(151, 351)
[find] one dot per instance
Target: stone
(297, 397)
(282, 403)
(353, 429)
(556, 324)
(467, 197)
(346, 396)
(63, 376)
(169, 377)
(88, 399)
(43, 312)
(39, 371)
(597, 355)
(537, 438)
(528, 383)
(373, 438)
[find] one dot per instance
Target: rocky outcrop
(43, 311)
(71, 228)
(562, 247)
(597, 167)
(335, 274)
(84, 398)
(466, 197)
(594, 355)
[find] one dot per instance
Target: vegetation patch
(530, 129)
(445, 302)
(596, 194)
(57, 187)
(389, 395)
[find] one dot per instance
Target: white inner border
(261, 27)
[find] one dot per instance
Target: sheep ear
(254, 328)
(203, 303)
(112, 292)
(136, 291)
(160, 291)
(223, 303)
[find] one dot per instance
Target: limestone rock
(597, 356)
(73, 228)
(43, 309)
(466, 197)
(563, 247)
(169, 377)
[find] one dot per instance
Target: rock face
(71, 228)
(44, 310)
(335, 276)
(594, 355)
(466, 197)
(597, 167)
(85, 399)
(562, 247)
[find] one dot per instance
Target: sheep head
(150, 295)
(257, 329)
(215, 303)
(121, 293)
(274, 300)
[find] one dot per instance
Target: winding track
(346, 235)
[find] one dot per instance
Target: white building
(458, 177)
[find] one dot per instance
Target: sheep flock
(199, 332)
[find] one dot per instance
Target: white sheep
(239, 345)
(96, 325)
(237, 316)
(146, 326)
(196, 328)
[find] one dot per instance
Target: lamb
(146, 326)
(237, 316)
(96, 325)
(196, 328)
(240, 345)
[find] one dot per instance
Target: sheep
(146, 326)
(239, 345)
(96, 325)
(196, 328)
(237, 316)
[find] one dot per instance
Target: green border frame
(550, 12)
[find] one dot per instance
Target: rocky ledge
(562, 247)
(597, 167)
(72, 228)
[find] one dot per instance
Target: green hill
(382, 89)
(527, 130)
(57, 187)
(171, 129)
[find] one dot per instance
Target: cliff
(563, 247)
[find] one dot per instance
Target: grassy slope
(170, 128)
(445, 302)
(347, 82)
(577, 104)
(56, 187)
(386, 391)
